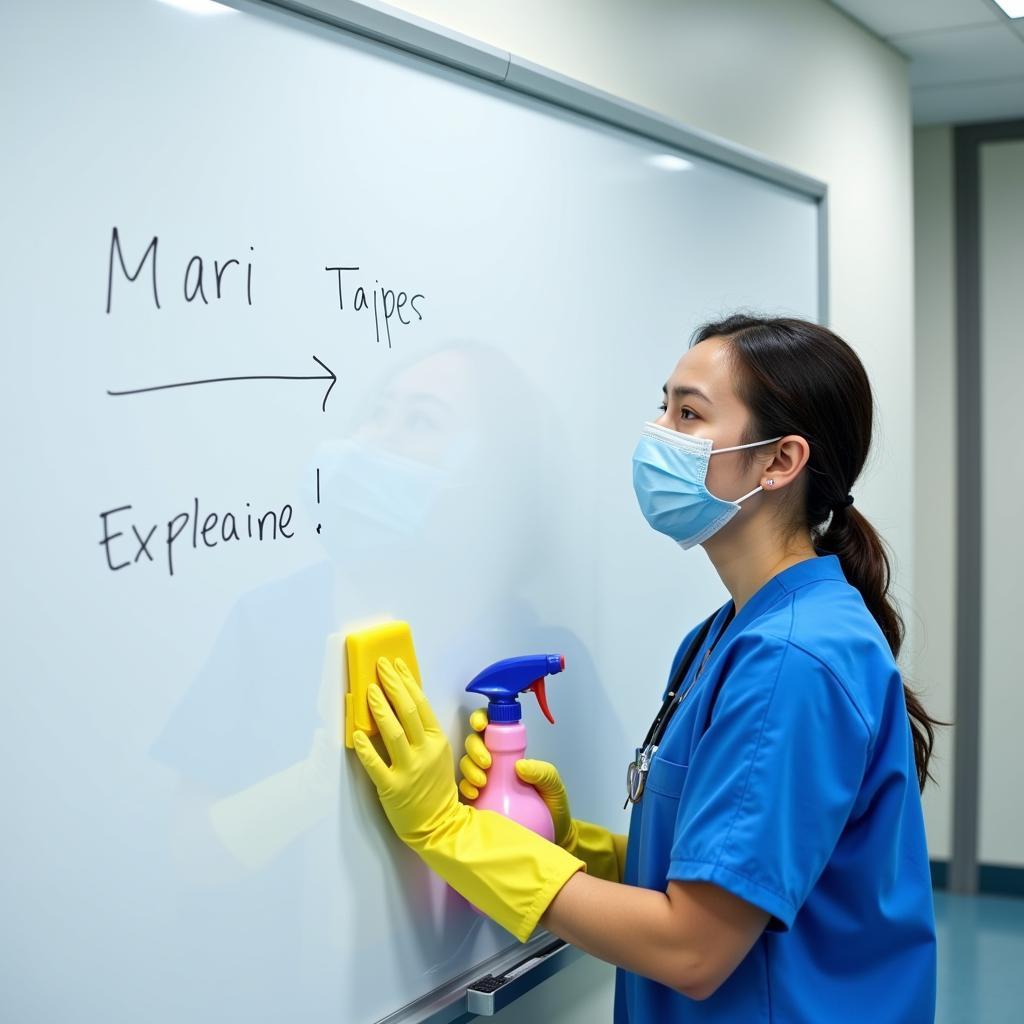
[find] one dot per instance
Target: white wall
(806, 86)
(935, 443)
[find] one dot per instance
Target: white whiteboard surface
(185, 838)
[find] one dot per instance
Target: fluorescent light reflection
(1014, 8)
(669, 162)
(200, 6)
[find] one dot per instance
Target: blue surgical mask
(373, 499)
(669, 473)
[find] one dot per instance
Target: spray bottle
(505, 737)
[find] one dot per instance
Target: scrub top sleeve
(771, 782)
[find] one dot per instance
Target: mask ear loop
(753, 444)
(749, 493)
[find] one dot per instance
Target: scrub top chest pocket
(658, 811)
(663, 807)
(658, 808)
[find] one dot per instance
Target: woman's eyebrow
(682, 390)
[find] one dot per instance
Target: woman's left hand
(417, 790)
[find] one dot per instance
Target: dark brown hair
(797, 377)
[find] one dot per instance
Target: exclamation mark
(318, 493)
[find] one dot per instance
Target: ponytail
(865, 563)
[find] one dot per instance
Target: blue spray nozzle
(502, 682)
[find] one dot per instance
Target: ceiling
(966, 56)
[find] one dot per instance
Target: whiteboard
(185, 837)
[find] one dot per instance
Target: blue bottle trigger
(502, 682)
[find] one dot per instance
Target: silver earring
(769, 483)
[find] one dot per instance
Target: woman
(776, 866)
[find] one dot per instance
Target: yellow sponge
(363, 648)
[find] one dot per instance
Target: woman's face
(423, 412)
(699, 400)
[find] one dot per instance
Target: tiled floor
(981, 959)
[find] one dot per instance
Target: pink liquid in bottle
(505, 792)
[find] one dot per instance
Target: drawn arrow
(330, 375)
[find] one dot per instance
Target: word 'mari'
(198, 279)
(217, 528)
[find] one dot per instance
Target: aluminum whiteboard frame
(412, 34)
(404, 31)
(449, 1004)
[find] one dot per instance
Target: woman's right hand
(541, 774)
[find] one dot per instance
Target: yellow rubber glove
(503, 868)
(604, 852)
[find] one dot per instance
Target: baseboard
(993, 879)
(940, 873)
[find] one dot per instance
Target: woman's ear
(787, 461)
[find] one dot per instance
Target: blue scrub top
(801, 798)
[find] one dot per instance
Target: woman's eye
(664, 408)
